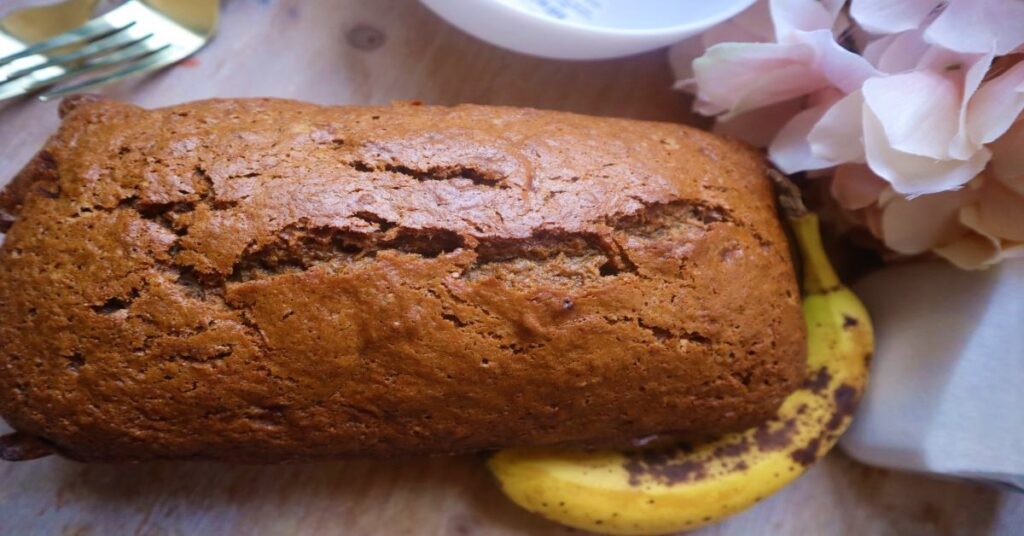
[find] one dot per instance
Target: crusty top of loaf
(264, 279)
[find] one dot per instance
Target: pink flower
(781, 54)
(973, 227)
(1008, 158)
(967, 26)
(925, 130)
(911, 123)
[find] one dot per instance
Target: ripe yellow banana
(684, 487)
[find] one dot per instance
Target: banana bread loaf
(264, 280)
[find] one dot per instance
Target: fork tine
(93, 29)
(154, 60)
(98, 48)
(130, 53)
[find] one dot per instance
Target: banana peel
(684, 487)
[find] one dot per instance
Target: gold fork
(133, 38)
(32, 24)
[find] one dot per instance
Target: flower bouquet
(911, 108)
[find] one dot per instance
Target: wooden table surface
(374, 51)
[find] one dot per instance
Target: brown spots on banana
(732, 450)
(669, 466)
(817, 382)
(850, 322)
(663, 466)
(676, 464)
(807, 455)
(769, 438)
(734, 453)
(844, 398)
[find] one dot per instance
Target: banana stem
(790, 200)
(819, 276)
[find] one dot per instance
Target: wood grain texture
(374, 51)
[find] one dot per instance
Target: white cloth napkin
(946, 393)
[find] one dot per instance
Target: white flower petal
(842, 68)
(891, 16)
(979, 26)
(896, 53)
(995, 224)
(702, 106)
(855, 186)
(686, 85)
(789, 16)
(942, 59)
(972, 251)
(963, 73)
(999, 212)
(829, 96)
(873, 50)
(1008, 157)
(962, 145)
(912, 174)
(996, 105)
(758, 127)
(742, 76)
(887, 196)
(790, 151)
(838, 136)
(913, 226)
(918, 111)
(835, 7)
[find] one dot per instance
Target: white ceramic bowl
(584, 29)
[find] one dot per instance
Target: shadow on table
(933, 506)
(443, 495)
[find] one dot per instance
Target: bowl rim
(740, 5)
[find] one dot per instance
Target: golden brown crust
(261, 280)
